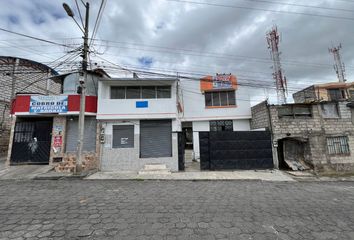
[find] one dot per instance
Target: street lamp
(78, 167)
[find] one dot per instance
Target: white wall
(128, 159)
(126, 108)
(194, 104)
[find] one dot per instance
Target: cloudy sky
(189, 38)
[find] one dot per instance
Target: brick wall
(305, 95)
(315, 130)
(260, 116)
(27, 78)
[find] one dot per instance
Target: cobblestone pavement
(90, 209)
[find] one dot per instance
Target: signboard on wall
(218, 82)
(48, 104)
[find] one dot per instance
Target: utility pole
(278, 75)
(80, 142)
(338, 64)
(82, 81)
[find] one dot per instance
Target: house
(213, 103)
(139, 121)
(144, 119)
(325, 92)
(21, 75)
(44, 128)
(318, 135)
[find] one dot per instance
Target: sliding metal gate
(235, 150)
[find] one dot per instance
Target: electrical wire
(35, 38)
(263, 9)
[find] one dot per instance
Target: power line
(301, 5)
(263, 9)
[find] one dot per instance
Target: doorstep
(261, 175)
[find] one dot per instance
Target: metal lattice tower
(273, 40)
(338, 65)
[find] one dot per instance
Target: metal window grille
(338, 145)
(221, 126)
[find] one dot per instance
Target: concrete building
(141, 118)
(214, 103)
(44, 128)
(20, 75)
(334, 91)
(318, 135)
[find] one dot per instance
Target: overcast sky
(189, 38)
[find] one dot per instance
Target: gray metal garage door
(89, 134)
(155, 138)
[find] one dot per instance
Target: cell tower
(338, 65)
(280, 80)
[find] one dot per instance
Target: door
(31, 143)
(155, 138)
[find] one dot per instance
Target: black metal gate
(181, 149)
(32, 140)
(235, 150)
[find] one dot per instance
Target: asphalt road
(90, 209)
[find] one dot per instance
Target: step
(155, 167)
(154, 172)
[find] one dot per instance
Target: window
(123, 136)
(163, 92)
(221, 126)
(221, 98)
(148, 92)
(117, 92)
(336, 94)
(330, 110)
(140, 92)
(294, 111)
(133, 93)
(338, 145)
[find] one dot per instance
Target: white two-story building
(141, 117)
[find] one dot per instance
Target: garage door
(155, 138)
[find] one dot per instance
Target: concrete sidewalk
(264, 175)
(22, 172)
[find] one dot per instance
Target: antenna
(273, 40)
(338, 64)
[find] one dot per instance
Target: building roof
(27, 62)
(98, 72)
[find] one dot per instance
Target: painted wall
(194, 104)
(127, 159)
(111, 109)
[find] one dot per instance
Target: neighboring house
(44, 128)
(335, 91)
(142, 118)
(317, 135)
(139, 120)
(214, 103)
(21, 75)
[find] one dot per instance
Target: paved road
(91, 209)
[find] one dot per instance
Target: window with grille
(140, 92)
(220, 99)
(221, 126)
(338, 145)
